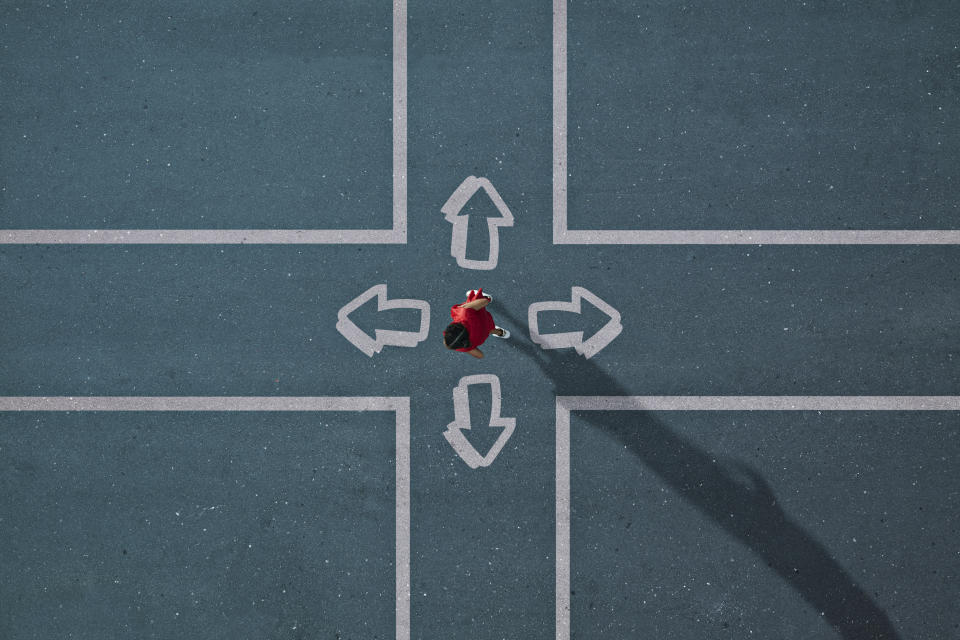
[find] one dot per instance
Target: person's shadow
(732, 493)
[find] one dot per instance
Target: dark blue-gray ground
(815, 115)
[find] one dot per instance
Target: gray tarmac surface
(684, 524)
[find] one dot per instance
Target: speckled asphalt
(684, 524)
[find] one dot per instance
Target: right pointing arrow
(575, 338)
(369, 345)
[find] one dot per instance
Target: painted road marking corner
(400, 405)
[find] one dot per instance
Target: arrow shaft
(560, 340)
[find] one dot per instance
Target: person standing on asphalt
(471, 325)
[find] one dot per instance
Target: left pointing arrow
(370, 346)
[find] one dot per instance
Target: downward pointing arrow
(369, 345)
(575, 338)
(461, 411)
(458, 241)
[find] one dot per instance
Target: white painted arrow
(574, 339)
(461, 411)
(458, 241)
(369, 345)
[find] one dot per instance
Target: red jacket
(479, 322)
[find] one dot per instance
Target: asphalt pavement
(224, 500)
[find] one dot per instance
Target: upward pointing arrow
(369, 345)
(458, 241)
(574, 339)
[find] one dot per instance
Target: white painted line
(399, 405)
(201, 403)
(566, 404)
(559, 120)
(403, 518)
(201, 236)
(395, 235)
(563, 235)
(563, 522)
(400, 121)
(461, 412)
(757, 237)
(458, 238)
(760, 403)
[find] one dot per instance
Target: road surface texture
(240, 506)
